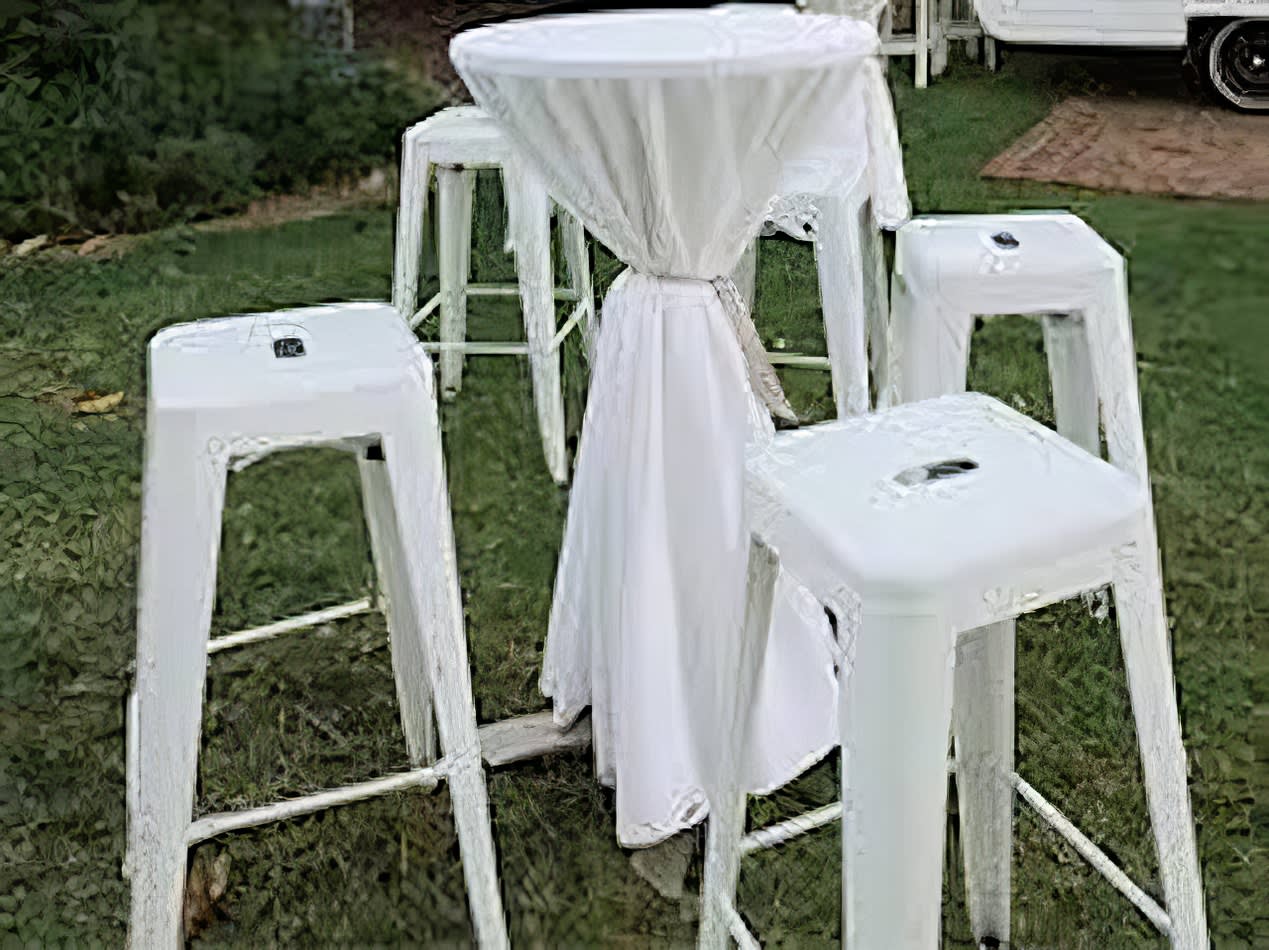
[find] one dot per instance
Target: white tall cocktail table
(665, 133)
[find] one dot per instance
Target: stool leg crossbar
(800, 825)
(502, 742)
(777, 834)
(306, 621)
(497, 348)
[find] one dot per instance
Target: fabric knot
(762, 375)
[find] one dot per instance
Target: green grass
(319, 708)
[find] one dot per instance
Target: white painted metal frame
(219, 391)
(452, 145)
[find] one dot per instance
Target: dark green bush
(131, 114)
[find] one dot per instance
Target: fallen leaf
(93, 403)
(92, 244)
(206, 884)
(31, 245)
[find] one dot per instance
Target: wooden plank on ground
(527, 737)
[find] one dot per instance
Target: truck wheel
(1237, 63)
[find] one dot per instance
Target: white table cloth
(665, 133)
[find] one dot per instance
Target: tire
(1231, 59)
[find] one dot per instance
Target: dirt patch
(1148, 146)
(379, 188)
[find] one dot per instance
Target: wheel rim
(1239, 63)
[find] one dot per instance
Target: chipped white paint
(347, 375)
(450, 145)
(970, 558)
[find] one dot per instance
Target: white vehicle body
(1226, 41)
(1105, 22)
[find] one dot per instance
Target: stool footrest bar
(569, 324)
(513, 290)
(212, 825)
(424, 311)
(290, 624)
(493, 290)
(1093, 855)
(798, 825)
(794, 827)
(479, 348)
(739, 932)
(798, 359)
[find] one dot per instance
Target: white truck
(1226, 41)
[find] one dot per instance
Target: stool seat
(935, 493)
(462, 135)
(287, 355)
(1037, 262)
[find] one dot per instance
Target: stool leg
(421, 502)
(1071, 375)
(577, 257)
(991, 55)
(895, 711)
(1143, 634)
(876, 298)
(922, 15)
(839, 258)
(182, 502)
(727, 796)
(938, 55)
(929, 353)
(983, 713)
(722, 869)
(454, 188)
(532, 222)
(412, 225)
(409, 657)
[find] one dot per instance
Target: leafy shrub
(131, 114)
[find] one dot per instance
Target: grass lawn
(318, 708)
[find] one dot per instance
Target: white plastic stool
(454, 143)
(222, 394)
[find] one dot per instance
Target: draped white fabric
(666, 134)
